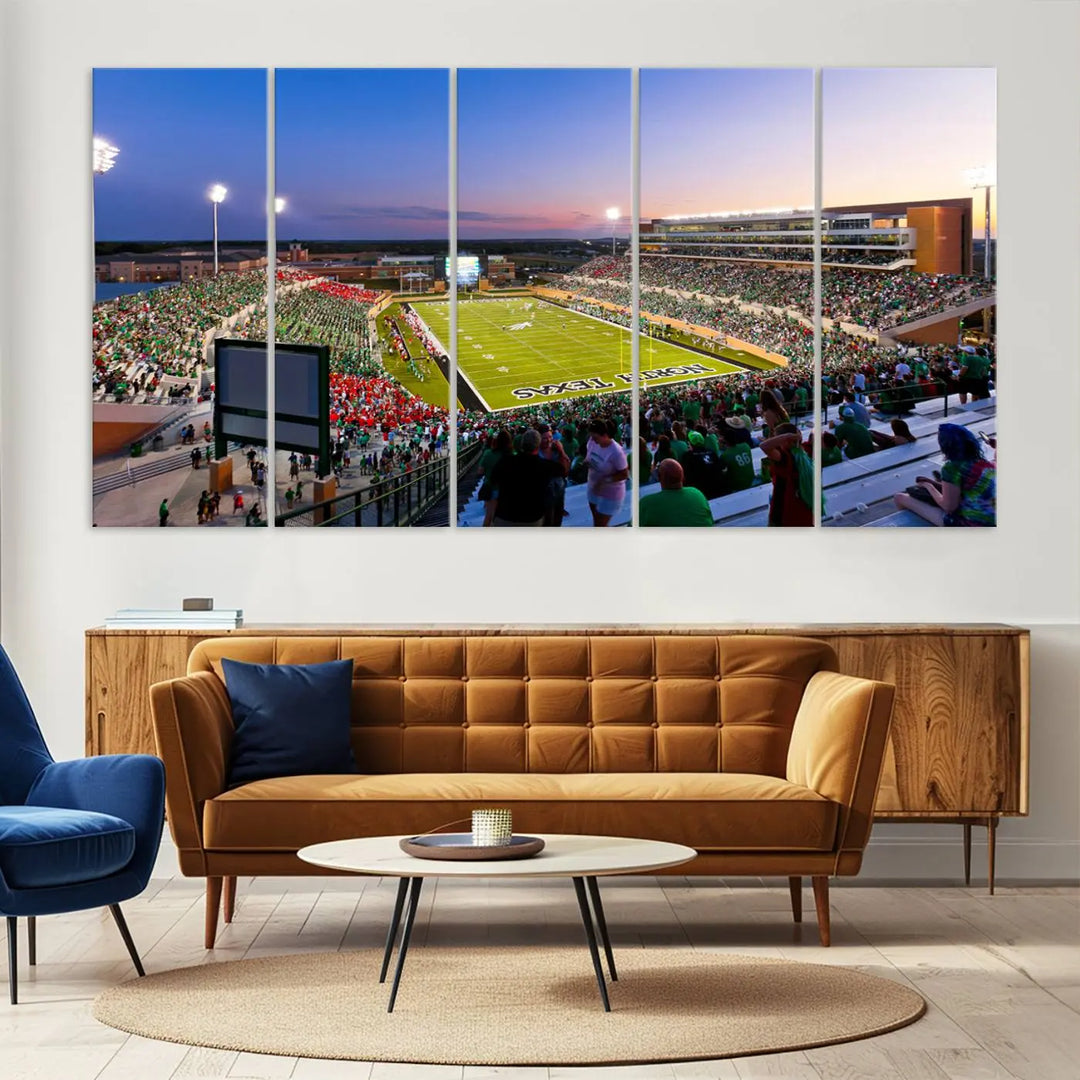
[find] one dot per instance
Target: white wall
(59, 575)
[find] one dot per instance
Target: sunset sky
(715, 140)
(362, 153)
(543, 152)
(907, 133)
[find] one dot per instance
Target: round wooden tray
(460, 848)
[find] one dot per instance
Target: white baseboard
(941, 858)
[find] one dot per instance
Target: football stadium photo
(487, 378)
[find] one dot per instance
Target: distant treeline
(434, 246)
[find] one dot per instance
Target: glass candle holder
(491, 828)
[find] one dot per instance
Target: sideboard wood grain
(961, 728)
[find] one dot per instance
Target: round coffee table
(580, 858)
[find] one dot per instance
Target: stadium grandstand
(152, 385)
(897, 284)
(894, 296)
(930, 236)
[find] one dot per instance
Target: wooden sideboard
(959, 746)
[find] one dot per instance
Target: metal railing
(396, 501)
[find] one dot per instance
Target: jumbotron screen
(468, 269)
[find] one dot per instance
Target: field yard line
(485, 323)
(557, 364)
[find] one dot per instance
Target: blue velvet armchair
(73, 834)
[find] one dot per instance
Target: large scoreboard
(468, 271)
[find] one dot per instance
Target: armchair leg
(31, 938)
(229, 902)
(13, 957)
(213, 905)
(121, 925)
(821, 902)
(795, 885)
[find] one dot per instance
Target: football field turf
(525, 351)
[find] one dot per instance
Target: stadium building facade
(929, 236)
(175, 264)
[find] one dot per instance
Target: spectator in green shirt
(831, 454)
(974, 376)
(853, 436)
(675, 506)
(644, 462)
(679, 443)
(737, 463)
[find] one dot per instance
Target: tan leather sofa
(749, 748)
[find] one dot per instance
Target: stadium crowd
(141, 337)
(877, 301)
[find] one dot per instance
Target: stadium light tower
(982, 176)
(613, 216)
(217, 195)
(104, 155)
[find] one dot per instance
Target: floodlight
(217, 195)
(104, 155)
(613, 213)
(279, 204)
(983, 176)
(980, 176)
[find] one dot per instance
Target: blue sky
(362, 153)
(542, 152)
(180, 131)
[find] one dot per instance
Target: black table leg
(590, 935)
(601, 925)
(403, 948)
(395, 922)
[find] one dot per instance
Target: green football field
(525, 351)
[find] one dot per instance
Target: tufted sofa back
(559, 703)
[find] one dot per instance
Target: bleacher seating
(857, 491)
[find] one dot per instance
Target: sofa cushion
(291, 719)
(709, 811)
(42, 847)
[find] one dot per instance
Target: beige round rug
(511, 1006)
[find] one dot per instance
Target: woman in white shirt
(608, 471)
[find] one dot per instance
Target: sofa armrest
(837, 748)
(127, 786)
(193, 729)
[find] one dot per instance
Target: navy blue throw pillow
(290, 719)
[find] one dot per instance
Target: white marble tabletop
(563, 856)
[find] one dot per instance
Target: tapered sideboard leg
(991, 850)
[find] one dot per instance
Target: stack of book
(171, 619)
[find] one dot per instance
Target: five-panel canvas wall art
(641, 298)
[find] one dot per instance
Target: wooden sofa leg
(821, 901)
(213, 905)
(795, 885)
(230, 897)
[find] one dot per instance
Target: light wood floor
(1001, 974)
